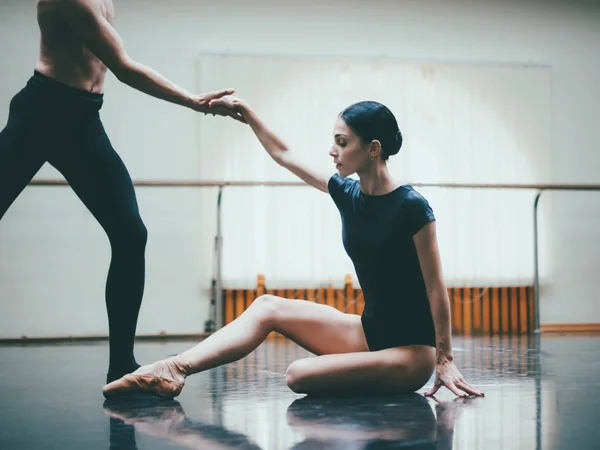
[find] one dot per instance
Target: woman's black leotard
(377, 232)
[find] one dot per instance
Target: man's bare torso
(62, 55)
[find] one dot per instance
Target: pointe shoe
(164, 379)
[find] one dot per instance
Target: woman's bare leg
(394, 370)
(318, 328)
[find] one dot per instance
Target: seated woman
(389, 232)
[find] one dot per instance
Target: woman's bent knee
(294, 377)
(266, 307)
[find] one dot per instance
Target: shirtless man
(55, 119)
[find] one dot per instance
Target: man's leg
(20, 158)
(100, 179)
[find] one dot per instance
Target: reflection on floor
(539, 395)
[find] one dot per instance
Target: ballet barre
(217, 319)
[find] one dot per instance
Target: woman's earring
(371, 157)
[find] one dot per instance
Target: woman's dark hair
(374, 121)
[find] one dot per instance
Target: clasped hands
(202, 103)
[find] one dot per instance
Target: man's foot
(115, 374)
(164, 378)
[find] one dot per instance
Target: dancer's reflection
(347, 423)
(324, 423)
(167, 419)
(122, 436)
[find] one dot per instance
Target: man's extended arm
(86, 20)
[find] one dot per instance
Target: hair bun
(370, 121)
(398, 143)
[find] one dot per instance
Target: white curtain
(462, 123)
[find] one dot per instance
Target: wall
(54, 257)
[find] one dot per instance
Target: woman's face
(348, 151)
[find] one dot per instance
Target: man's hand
(207, 104)
(229, 101)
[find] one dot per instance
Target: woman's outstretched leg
(318, 328)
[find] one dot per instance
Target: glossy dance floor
(538, 396)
